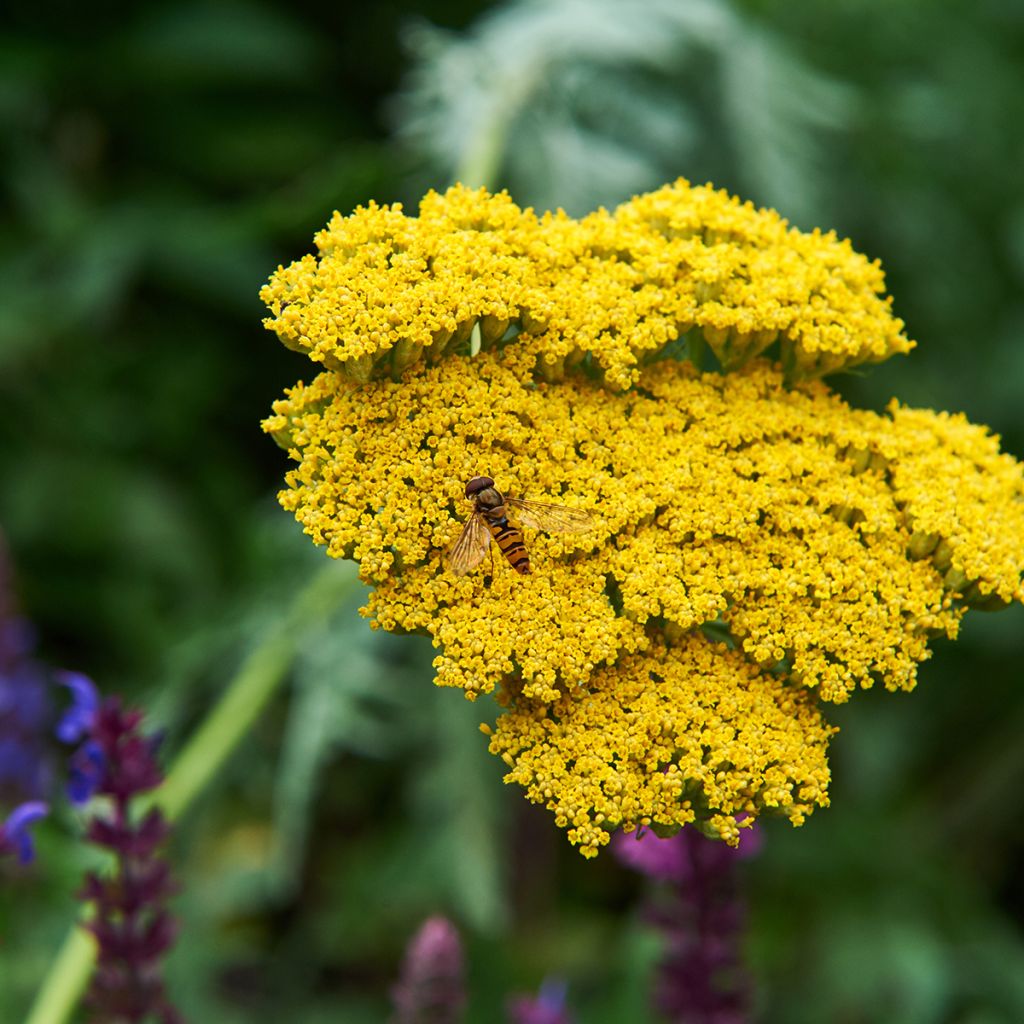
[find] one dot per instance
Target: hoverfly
(490, 519)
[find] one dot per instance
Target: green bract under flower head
(757, 545)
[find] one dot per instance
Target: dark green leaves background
(159, 160)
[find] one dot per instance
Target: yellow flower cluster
(688, 733)
(682, 267)
(823, 544)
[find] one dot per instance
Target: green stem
(241, 704)
(480, 163)
(697, 347)
(482, 159)
(68, 976)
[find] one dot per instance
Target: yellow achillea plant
(758, 548)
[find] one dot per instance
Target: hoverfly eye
(478, 484)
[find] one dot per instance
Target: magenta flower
(430, 989)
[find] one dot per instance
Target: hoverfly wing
(552, 518)
(469, 550)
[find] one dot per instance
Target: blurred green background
(160, 160)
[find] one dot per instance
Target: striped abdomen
(510, 540)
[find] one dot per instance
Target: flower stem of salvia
(216, 739)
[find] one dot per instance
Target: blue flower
(85, 771)
(547, 1007)
(14, 834)
(28, 724)
(85, 701)
(85, 766)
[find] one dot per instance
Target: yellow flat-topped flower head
(756, 546)
(691, 732)
(612, 291)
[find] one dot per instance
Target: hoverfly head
(478, 484)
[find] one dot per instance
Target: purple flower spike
(701, 979)
(85, 702)
(131, 765)
(672, 859)
(17, 640)
(131, 924)
(430, 990)
(547, 1007)
(16, 634)
(14, 834)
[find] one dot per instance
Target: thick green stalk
(482, 159)
(227, 724)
